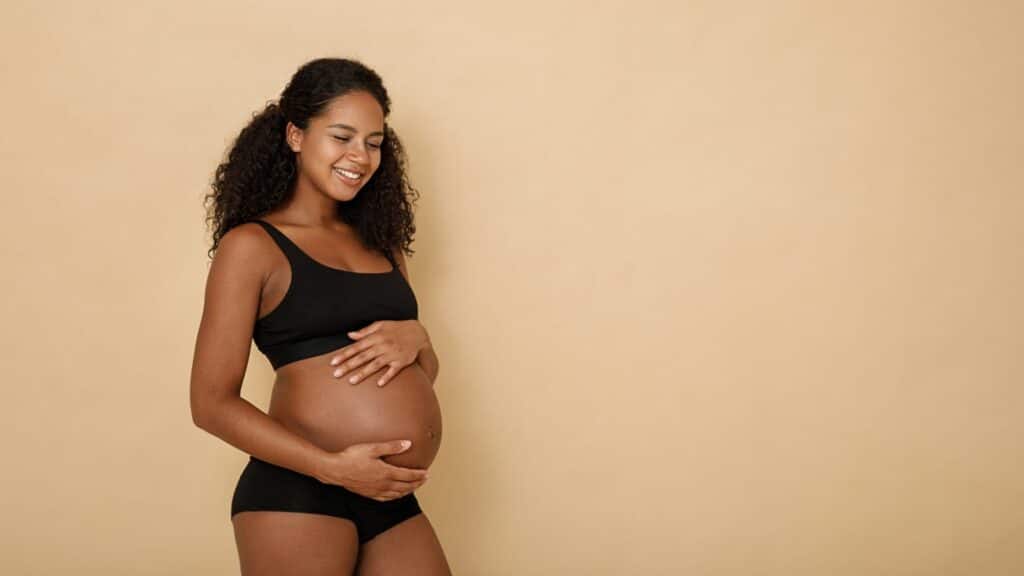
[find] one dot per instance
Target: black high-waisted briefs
(265, 486)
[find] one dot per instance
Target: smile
(347, 176)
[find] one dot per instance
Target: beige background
(717, 288)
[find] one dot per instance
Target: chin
(342, 194)
(343, 197)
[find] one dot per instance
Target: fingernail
(338, 372)
(406, 443)
(334, 362)
(352, 379)
(380, 382)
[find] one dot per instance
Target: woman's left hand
(391, 343)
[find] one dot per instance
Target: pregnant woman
(312, 214)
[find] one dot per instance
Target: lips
(349, 176)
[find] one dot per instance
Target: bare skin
(317, 424)
(332, 413)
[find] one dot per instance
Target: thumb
(394, 447)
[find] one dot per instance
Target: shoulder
(248, 237)
(245, 246)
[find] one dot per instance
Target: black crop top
(322, 304)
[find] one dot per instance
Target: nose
(359, 154)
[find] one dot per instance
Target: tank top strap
(391, 258)
(291, 251)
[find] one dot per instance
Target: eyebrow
(378, 133)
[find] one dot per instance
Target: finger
(405, 487)
(375, 366)
(408, 474)
(385, 496)
(393, 447)
(357, 361)
(413, 486)
(392, 369)
(371, 368)
(366, 330)
(362, 358)
(345, 352)
(350, 351)
(372, 345)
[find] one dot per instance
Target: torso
(332, 413)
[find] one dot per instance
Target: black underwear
(265, 486)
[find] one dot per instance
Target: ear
(293, 136)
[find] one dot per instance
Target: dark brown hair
(259, 171)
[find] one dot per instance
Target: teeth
(347, 174)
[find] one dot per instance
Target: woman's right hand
(359, 468)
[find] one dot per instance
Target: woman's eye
(346, 139)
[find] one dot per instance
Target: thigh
(272, 542)
(409, 547)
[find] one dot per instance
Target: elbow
(207, 402)
(203, 412)
(199, 417)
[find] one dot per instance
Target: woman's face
(340, 149)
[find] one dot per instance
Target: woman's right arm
(233, 288)
(231, 305)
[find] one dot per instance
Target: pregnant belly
(333, 414)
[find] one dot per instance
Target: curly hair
(259, 172)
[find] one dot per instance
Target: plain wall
(716, 288)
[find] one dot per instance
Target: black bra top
(322, 304)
